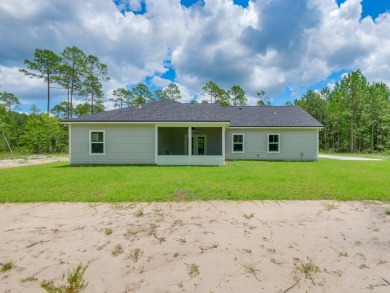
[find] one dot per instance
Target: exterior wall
(124, 144)
(293, 143)
(191, 160)
(135, 144)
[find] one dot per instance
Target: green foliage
(91, 87)
(7, 266)
(75, 282)
(9, 100)
(44, 134)
(264, 100)
(46, 66)
(142, 94)
(237, 96)
(355, 114)
(171, 92)
(86, 108)
(62, 110)
(12, 125)
(122, 97)
(237, 180)
(215, 94)
(72, 68)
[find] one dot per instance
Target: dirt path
(346, 158)
(219, 246)
(31, 160)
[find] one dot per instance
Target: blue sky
(284, 47)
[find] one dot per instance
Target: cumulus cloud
(269, 45)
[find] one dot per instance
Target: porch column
(156, 144)
(223, 143)
(189, 144)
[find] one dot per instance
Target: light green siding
(135, 144)
(295, 144)
(124, 144)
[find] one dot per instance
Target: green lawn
(238, 180)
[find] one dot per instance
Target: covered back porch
(190, 145)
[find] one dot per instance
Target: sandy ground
(346, 158)
(31, 160)
(218, 246)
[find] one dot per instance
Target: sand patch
(218, 246)
(31, 160)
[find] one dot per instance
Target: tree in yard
(61, 110)
(86, 108)
(315, 103)
(264, 100)
(237, 96)
(4, 129)
(71, 71)
(142, 94)
(44, 66)
(172, 92)
(44, 134)
(377, 114)
(122, 97)
(91, 86)
(34, 110)
(9, 100)
(12, 125)
(353, 88)
(159, 95)
(215, 94)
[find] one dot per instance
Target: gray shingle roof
(172, 111)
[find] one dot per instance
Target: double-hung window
(273, 143)
(238, 143)
(96, 142)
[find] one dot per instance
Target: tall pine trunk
(48, 94)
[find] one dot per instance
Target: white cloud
(268, 45)
(160, 82)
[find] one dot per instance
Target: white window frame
(90, 143)
(273, 152)
(243, 143)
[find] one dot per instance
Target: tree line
(34, 133)
(355, 114)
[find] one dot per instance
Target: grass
(248, 216)
(135, 254)
(7, 266)
(108, 231)
(29, 279)
(75, 282)
(237, 180)
(307, 269)
(193, 270)
(117, 250)
(251, 269)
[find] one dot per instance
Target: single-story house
(172, 133)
